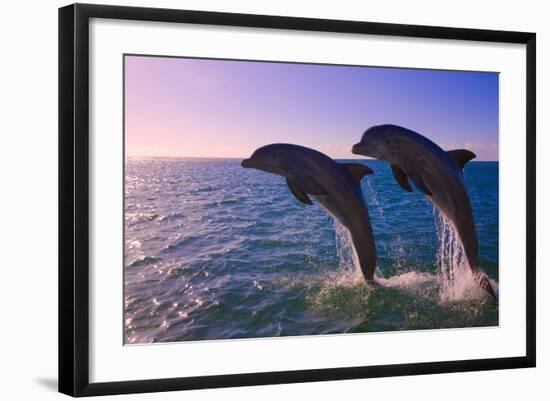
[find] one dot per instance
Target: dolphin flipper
(401, 178)
(298, 192)
(419, 183)
(461, 156)
(358, 171)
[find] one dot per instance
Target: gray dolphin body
(336, 186)
(436, 173)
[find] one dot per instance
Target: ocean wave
(232, 254)
(144, 260)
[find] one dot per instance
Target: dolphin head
(269, 158)
(381, 142)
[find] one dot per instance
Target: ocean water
(216, 251)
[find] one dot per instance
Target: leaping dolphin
(436, 173)
(336, 186)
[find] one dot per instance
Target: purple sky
(219, 108)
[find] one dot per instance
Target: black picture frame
(74, 194)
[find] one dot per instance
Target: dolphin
(336, 186)
(434, 172)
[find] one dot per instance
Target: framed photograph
(251, 199)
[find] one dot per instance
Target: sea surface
(216, 251)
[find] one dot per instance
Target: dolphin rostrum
(336, 186)
(436, 173)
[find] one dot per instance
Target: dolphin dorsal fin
(298, 192)
(358, 171)
(401, 178)
(461, 156)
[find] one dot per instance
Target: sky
(185, 107)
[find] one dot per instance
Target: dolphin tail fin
(358, 171)
(461, 156)
(483, 281)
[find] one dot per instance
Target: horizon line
(246, 157)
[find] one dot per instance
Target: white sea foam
(456, 281)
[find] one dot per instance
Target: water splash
(395, 247)
(374, 198)
(417, 284)
(348, 259)
(456, 281)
